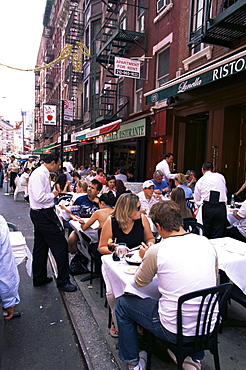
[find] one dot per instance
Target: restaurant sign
(128, 131)
(215, 72)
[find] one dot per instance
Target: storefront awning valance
(103, 130)
(213, 72)
(44, 149)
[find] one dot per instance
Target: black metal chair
(12, 227)
(192, 226)
(96, 263)
(205, 339)
(238, 296)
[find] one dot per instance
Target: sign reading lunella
(68, 110)
(126, 67)
(49, 113)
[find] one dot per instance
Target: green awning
(43, 149)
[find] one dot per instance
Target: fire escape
(223, 23)
(73, 33)
(116, 38)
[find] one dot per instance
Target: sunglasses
(138, 208)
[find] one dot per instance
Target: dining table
(20, 250)
(121, 278)
(232, 259)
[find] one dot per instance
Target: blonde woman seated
(106, 204)
(180, 181)
(126, 224)
(178, 196)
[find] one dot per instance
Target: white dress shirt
(210, 181)
(163, 166)
(40, 195)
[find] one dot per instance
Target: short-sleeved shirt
(162, 185)
(83, 205)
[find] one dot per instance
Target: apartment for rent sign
(126, 67)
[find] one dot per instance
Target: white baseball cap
(148, 184)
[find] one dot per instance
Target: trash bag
(78, 264)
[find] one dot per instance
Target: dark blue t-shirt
(83, 205)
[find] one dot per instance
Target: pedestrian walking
(47, 227)
(13, 169)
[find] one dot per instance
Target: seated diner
(181, 267)
(127, 225)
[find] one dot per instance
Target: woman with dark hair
(110, 185)
(61, 184)
(120, 188)
(106, 204)
(178, 196)
(76, 177)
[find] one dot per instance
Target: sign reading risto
(128, 131)
(222, 70)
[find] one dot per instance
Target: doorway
(191, 141)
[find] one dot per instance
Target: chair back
(12, 227)
(19, 188)
(192, 226)
(212, 303)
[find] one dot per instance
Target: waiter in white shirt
(211, 193)
(47, 228)
(163, 166)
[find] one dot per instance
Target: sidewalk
(89, 316)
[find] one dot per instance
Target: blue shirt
(83, 205)
(160, 186)
(9, 276)
(188, 191)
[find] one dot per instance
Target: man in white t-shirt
(146, 196)
(163, 166)
(237, 219)
(181, 268)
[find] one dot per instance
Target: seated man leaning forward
(183, 263)
(83, 206)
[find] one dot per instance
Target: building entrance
(191, 141)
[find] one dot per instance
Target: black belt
(42, 209)
(207, 202)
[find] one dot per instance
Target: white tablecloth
(232, 259)
(123, 282)
(20, 250)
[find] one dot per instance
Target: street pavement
(44, 335)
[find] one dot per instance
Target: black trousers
(234, 233)
(214, 219)
(49, 235)
(12, 180)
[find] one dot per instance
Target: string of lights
(66, 52)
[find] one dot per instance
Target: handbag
(78, 264)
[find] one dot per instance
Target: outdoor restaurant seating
(19, 187)
(204, 341)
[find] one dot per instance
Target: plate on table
(131, 270)
(133, 258)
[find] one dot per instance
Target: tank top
(133, 238)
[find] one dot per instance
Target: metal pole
(23, 132)
(62, 128)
